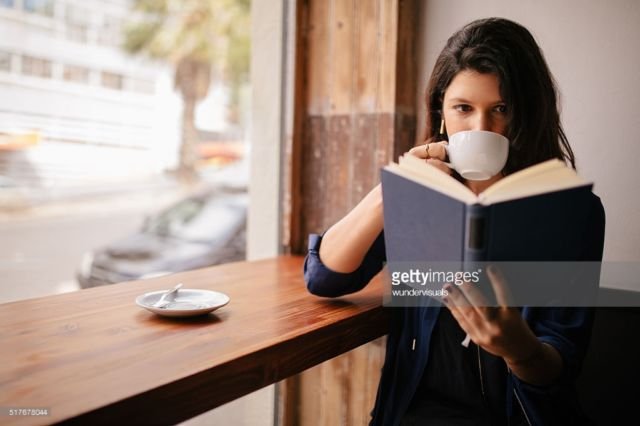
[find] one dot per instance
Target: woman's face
(473, 102)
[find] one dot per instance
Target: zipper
(480, 370)
(522, 407)
(526, 417)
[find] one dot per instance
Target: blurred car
(201, 230)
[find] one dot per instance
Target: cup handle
(446, 148)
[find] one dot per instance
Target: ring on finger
(426, 147)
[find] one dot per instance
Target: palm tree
(197, 37)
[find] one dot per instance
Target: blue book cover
(540, 215)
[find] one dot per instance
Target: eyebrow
(465, 101)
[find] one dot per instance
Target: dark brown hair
(508, 50)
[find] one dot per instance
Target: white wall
(591, 47)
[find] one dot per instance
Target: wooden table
(94, 357)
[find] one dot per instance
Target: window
(5, 61)
(112, 80)
(77, 21)
(109, 123)
(41, 7)
(36, 67)
(77, 32)
(110, 32)
(76, 74)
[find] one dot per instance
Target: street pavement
(42, 242)
(44, 233)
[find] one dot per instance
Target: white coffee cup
(477, 154)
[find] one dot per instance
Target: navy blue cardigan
(567, 329)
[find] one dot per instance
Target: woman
(522, 363)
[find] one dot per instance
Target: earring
(442, 126)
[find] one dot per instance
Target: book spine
(476, 233)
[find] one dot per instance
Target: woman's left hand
(500, 330)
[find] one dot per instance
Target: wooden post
(354, 110)
(355, 95)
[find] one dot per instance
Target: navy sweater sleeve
(322, 281)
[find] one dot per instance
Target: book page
(550, 176)
(429, 176)
(524, 174)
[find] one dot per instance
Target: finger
(454, 296)
(439, 165)
(465, 323)
(500, 286)
(478, 300)
(420, 151)
(473, 294)
(460, 319)
(457, 299)
(475, 315)
(438, 151)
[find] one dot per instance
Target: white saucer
(187, 303)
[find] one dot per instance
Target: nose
(482, 121)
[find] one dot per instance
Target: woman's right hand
(433, 153)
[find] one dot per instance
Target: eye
(462, 108)
(502, 109)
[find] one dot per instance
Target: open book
(537, 215)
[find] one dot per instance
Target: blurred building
(74, 107)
